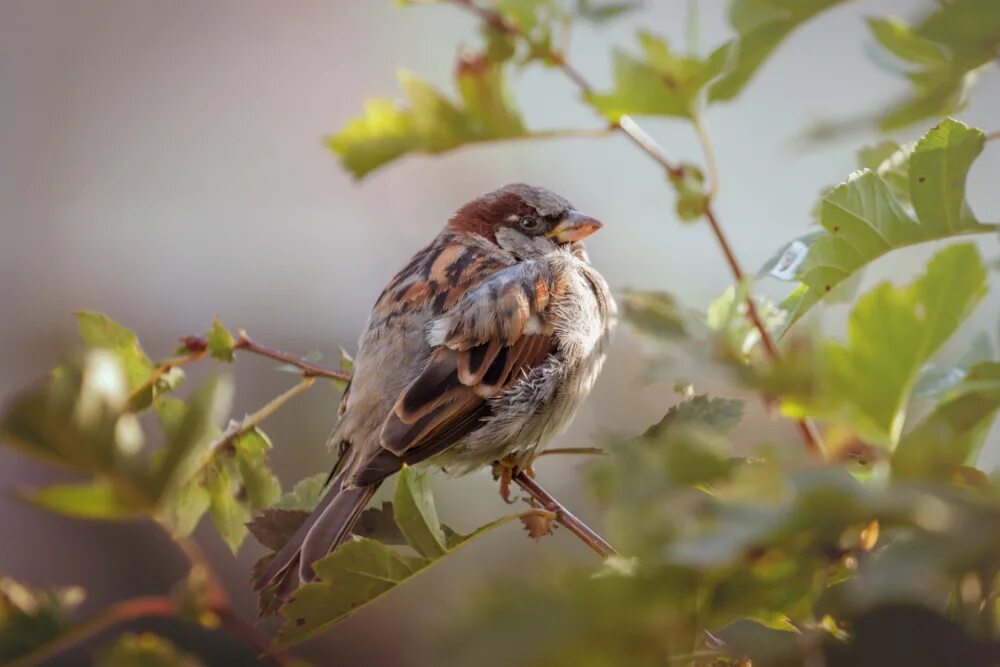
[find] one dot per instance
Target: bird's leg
(504, 470)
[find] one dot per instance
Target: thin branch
(706, 147)
(564, 516)
(251, 421)
(127, 610)
(572, 451)
(309, 369)
(993, 135)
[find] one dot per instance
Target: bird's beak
(575, 226)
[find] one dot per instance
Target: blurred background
(162, 162)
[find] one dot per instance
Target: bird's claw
(505, 470)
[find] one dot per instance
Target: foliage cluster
(878, 545)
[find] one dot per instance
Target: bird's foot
(505, 470)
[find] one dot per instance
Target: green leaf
(77, 418)
(261, 486)
(187, 446)
(221, 343)
(892, 333)
(945, 51)
(184, 511)
(88, 500)
(362, 570)
(430, 123)
(760, 26)
(101, 332)
(659, 83)
(229, 515)
(416, 516)
(936, 380)
(863, 220)
(953, 433)
(717, 414)
(145, 650)
(898, 38)
(601, 12)
(31, 617)
(657, 314)
(305, 495)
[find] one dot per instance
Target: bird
(479, 350)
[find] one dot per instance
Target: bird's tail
(324, 530)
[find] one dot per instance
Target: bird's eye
(530, 223)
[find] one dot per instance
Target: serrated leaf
(659, 83)
(892, 333)
(145, 650)
(306, 493)
(362, 570)
(863, 220)
(88, 500)
(430, 123)
(760, 27)
(229, 515)
(953, 433)
(221, 344)
(31, 617)
(937, 380)
(258, 481)
(415, 514)
(101, 332)
(185, 509)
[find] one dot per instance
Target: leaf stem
(705, 139)
(564, 516)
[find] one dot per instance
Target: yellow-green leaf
(88, 500)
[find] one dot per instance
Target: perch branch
(564, 516)
(244, 342)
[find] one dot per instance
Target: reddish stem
(564, 516)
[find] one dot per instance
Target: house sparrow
(480, 349)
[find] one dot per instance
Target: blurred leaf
(31, 617)
(362, 570)
(760, 26)
(763, 646)
(953, 433)
(891, 335)
(937, 380)
(77, 418)
(727, 316)
(657, 314)
(601, 11)
(187, 446)
(863, 220)
(891, 163)
(692, 198)
(144, 650)
(717, 414)
(944, 52)
(101, 332)
(221, 343)
(430, 123)
(184, 511)
(659, 83)
(88, 500)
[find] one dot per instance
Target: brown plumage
(482, 346)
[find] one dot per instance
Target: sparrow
(479, 350)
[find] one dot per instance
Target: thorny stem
(564, 516)
(648, 145)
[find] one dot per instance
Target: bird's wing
(493, 335)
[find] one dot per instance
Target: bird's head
(525, 220)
